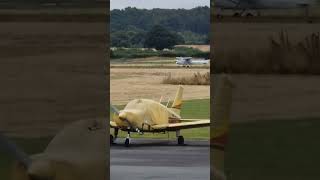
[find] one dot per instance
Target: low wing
(183, 125)
(190, 120)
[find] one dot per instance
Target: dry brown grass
(267, 97)
(204, 48)
(195, 79)
(260, 48)
(147, 83)
(52, 74)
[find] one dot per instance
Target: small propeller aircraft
(76, 153)
(145, 115)
(188, 61)
(222, 102)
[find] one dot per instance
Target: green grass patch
(264, 150)
(129, 53)
(191, 109)
(29, 145)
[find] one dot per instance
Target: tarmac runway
(160, 159)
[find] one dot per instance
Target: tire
(127, 142)
(236, 14)
(180, 140)
(111, 139)
(249, 15)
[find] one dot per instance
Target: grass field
(274, 149)
(147, 83)
(29, 145)
(199, 108)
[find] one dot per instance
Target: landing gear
(127, 141)
(113, 138)
(236, 14)
(180, 138)
(219, 16)
(248, 15)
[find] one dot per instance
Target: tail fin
(220, 120)
(177, 103)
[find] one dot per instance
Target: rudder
(177, 103)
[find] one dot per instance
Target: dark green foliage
(141, 53)
(185, 51)
(196, 20)
(133, 53)
(160, 38)
(192, 25)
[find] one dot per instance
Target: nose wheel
(180, 138)
(127, 141)
(113, 138)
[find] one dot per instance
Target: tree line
(132, 27)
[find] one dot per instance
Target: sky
(164, 4)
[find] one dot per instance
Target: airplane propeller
(117, 112)
(114, 109)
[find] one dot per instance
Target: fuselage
(143, 114)
(190, 61)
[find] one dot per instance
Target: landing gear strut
(180, 138)
(113, 138)
(127, 141)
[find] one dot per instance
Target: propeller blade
(130, 125)
(13, 149)
(114, 109)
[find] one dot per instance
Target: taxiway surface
(160, 159)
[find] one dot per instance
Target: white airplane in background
(241, 6)
(188, 61)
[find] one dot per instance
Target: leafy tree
(160, 38)
(129, 26)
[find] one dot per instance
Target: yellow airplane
(221, 107)
(145, 115)
(78, 152)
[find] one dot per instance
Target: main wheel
(249, 15)
(219, 16)
(236, 14)
(127, 142)
(111, 139)
(180, 140)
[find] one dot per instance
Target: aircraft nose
(40, 170)
(122, 116)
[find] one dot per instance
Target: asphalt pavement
(160, 159)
